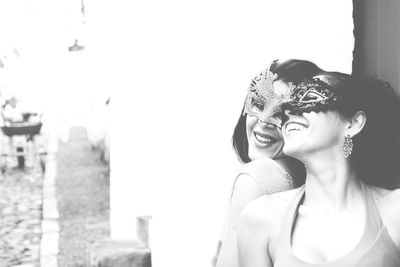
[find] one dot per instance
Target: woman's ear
(357, 123)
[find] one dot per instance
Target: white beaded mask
(263, 100)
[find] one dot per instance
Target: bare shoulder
(393, 194)
(245, 189)
(388, 203)
(285, 196)
(261, 166)
(260, 220)
(383, 195)
(252, 178)
(267, 210)
(269, 176)
(270, 202)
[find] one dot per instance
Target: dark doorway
(377, 39)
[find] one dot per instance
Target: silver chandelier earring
(348, 146)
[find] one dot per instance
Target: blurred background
(54, 154)
(46, 53)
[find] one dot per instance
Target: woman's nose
(269, 122)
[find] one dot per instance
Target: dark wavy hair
(376, 153)
(292, 70)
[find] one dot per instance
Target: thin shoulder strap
(372, 210)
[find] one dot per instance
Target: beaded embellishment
(265, 101)
(348, 146)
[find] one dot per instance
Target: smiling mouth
(264, 139)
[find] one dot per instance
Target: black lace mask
(312, 95)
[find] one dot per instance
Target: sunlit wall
(181, 73)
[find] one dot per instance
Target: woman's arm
(257, 178)
(253, 235)
(244, 190)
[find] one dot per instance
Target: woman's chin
(293, 151)
(289, 151)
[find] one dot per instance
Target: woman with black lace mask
(346, 132)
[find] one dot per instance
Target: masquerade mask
(263, 100)
(312, 95)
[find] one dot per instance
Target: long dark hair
(292, 70)
(376, 152)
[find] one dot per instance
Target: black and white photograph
(213, 133)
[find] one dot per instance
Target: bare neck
(331, 184)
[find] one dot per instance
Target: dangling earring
(348, 146)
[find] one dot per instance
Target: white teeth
(263, 139)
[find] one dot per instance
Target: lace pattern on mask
(312, 95)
